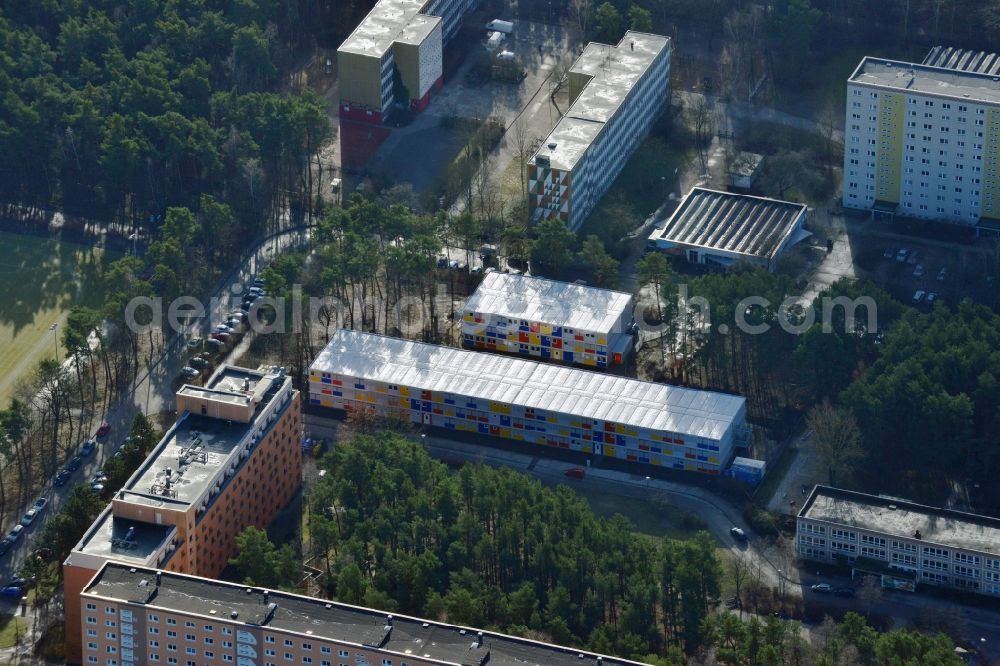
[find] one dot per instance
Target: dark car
(104, 429)
(198, 362)
(844, 591)
(12, 591)
(17, 581)
(88, 447)
(575, 473)
(5, 545)
(42, 553)
(221, 337)
(74, 463)
(40, 504)
(822, 588)
(61, 478)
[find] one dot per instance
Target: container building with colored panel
(218, 623)
(921, 140)
(907, 545)
(398, 46)
(616, 94)
(232, 459)
(548, 319)
(527, 401)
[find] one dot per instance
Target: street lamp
(55, 339)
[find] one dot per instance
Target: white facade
(620, 91)
(922, 142)
(938, 546)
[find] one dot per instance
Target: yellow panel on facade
(578, 347)
(655, 460)
(713, 459)
(534, 338)
(404, 390)
(468, 318)
(326, 402)
(545, 329)
(505, 432)
(619, 428)
(889, 146)
(609, 451)
(313, 378)
(585, 449)
(380, 389)
(602, 341)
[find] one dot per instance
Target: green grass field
(40, 280)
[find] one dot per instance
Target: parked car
(738, 533)
(29, 517)
(100, 477)
(97, 487)
(901, 255)
(187, 372)
(16, 533)
(251, 297)
(221, 336)
(88, 447)
(5, 546)
(198, 362)
(442, 262)
(42, 553)
(104, 429)
(453, 264)
(844, 591)
(931, 297)
(824, 588)
(74, 463)
(888, 253)
(942, 274)
(912, 259)
(61, 478)
(16, 581)
(919, 271)
(40, 504)
(575, 473)
(12, 591)
(223, 328)
(259, 282)
(918, 296)
(194, 343)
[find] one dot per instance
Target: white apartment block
(616, 94)
(921, 142)
(559, 321)
(907, 544)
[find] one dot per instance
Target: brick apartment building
(144, 616)
(232, 459)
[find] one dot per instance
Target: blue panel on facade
(449, 401)
(470, 405)
(546, 353)
(313, 401)
(326, 380)
(504, 420)
(449, 424)
(414, 404)
(567, 356)
(484, 428)
(678, 465)
(524, 329)
(620, 440)
(557, 332)
(546, 341)
(426, 406)
(338, 393)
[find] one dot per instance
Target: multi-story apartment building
(547, 319)
(616, 94)
(527, 401)
(145, 616)
(904, 543)
(398, 38)
(921, 141)
(232, 459)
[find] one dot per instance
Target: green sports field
(40, 280)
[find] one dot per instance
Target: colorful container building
(602, 415)
(397, 49)
(547, 319)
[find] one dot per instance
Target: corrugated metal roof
(965, 60)
(549, 301)
(736, 223)
(542, 386)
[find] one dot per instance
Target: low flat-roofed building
(616, 94)
(901, 540)
(966, 60)
(549, 319)
(528, 401)
(743, 171)
(238, 621)
(722, 228)
(232, 459)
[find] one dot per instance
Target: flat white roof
(614, 71)
(590, 395)
(549, 301)
(390, 21)
(909, 77)
(898, 517)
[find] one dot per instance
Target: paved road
(153, 391)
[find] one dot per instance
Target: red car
(575, 473)
(104, 429)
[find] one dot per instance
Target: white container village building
(528, 401)
(549, 319)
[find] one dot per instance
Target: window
(935, 552)
(872, 540)
(91, 606)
